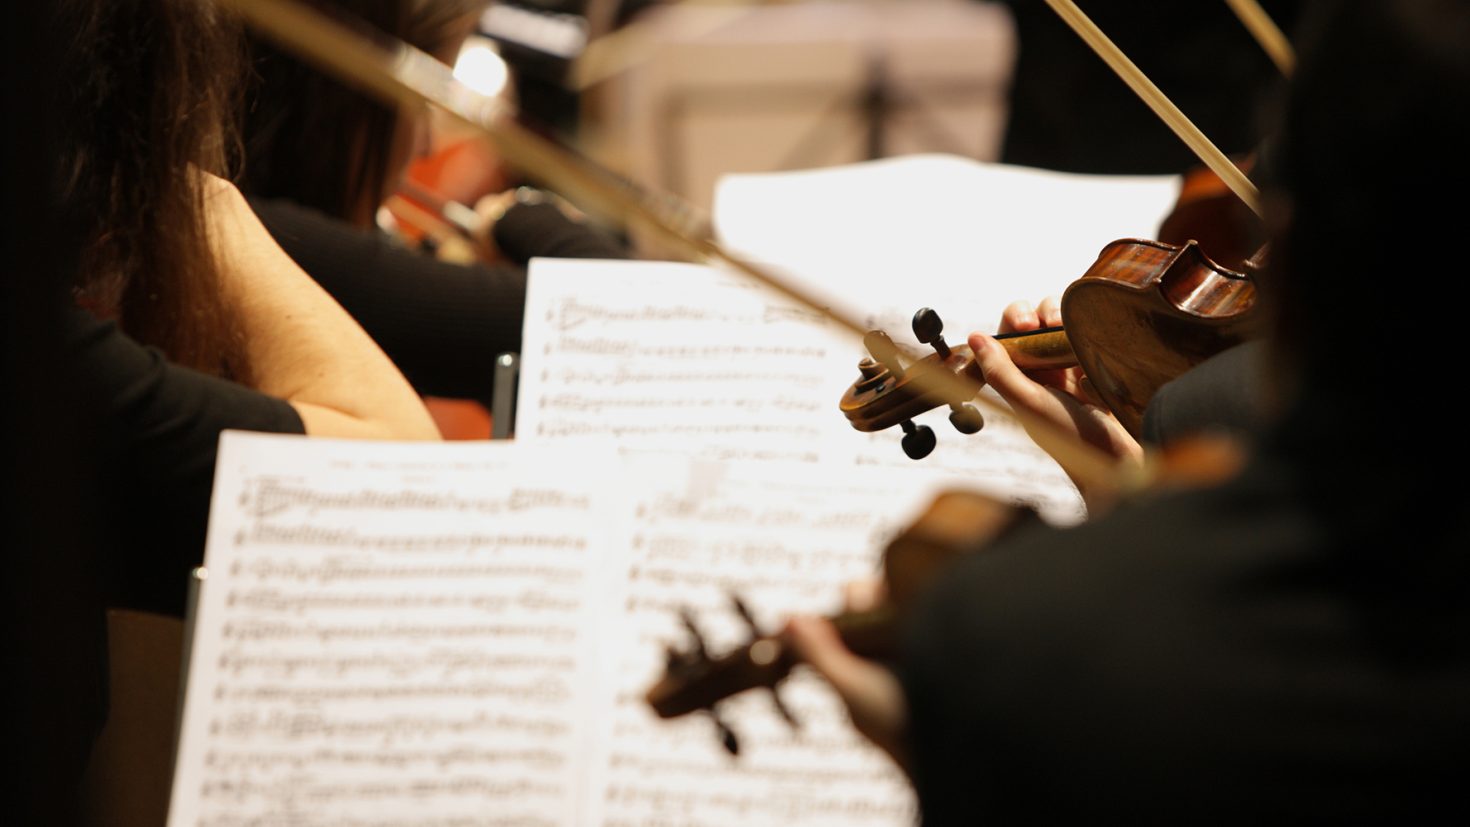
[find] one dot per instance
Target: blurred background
(676, 94)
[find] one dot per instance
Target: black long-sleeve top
(154, 428)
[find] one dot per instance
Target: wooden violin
(955, 523)
(1142, 314)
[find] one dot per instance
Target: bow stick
(1171, 115)
(1266, 33)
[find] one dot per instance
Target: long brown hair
(148, 101)
(320, 143)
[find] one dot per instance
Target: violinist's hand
(874, 698)
(1063, 397)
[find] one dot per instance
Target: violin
(1142, 314)
(955, 523)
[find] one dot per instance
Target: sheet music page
(784, 537)
(397, 634)
(663, 357)
(961, 236)
(675, 357)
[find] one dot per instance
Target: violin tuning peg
(728, 739)
(673, 658)
(966, 418)
(784, 710)
(918, 440)
(927, 325)
(745, 615)
(688, 619)
(929, 330)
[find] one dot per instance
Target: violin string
(410, 78)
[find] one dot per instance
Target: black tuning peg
(918, 440)
(884, 351)
(688, 618)
(728, 739)
(784, 711)
(929, 329)
(966, 418)
(745, 615)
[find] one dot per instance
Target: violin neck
(1044, 349)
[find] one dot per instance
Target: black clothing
(156, 429)
(1069, 111)
(112, 476)
(442, 324)
(1221, 395)
(1268, 650)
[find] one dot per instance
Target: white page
(886, 237)
(656, 356)
(396, 634)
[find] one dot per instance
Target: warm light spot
(481, 68)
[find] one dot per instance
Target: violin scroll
(887, 393)
(695, 681)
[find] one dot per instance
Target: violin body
(1146, 312)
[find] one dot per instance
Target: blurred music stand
(798, 86)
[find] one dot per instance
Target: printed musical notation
(391, 632)
(670, 357)
(369, 682)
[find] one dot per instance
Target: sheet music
(663, 357)
(674, 357)
(395, 634)
(437, 634)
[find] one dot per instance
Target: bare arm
(302, 346)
